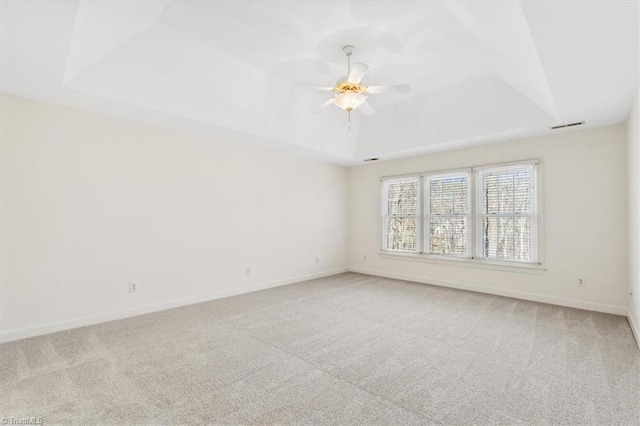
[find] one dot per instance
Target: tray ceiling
(479, 72)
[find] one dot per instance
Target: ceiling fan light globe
(349, 101)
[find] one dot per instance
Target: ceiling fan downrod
(348, 50)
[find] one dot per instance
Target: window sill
(523, 268)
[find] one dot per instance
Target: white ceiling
(480, 72)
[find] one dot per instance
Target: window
(447, 214)
(479, 214)
(507, 213)
(400, 213)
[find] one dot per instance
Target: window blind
(507, 217)
(401, 214)
(447, 214)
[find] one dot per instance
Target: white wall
(585, 220)
(90, 203)
(634, 217)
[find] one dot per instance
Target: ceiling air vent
(371, 159)
(562, 126)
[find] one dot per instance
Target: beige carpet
(348, 349)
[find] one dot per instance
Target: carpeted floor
(348, 349)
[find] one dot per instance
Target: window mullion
(385, 213)
(426, 212)
(513, 221)
(471, 208)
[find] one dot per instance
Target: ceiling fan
(349, 94)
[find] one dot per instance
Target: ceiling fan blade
(324, 105)
(325, 88)
(365, 108)
(357, 72)
(402, 88)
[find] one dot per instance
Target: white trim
(535, 215)
(468, 169)
(634, 328)
(472, 226)
(385, 216)
(540, 231)
(420, 225)
(382, 224)
(552, 300)
(401, 178)
(426, 217)
(533, 161)
(52, 327)
(474, 216)
(447, 172)
(466, 262)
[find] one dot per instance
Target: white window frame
(426, 182)
(386, 216)
(474, 258)
(533, 215)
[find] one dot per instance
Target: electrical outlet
(133, 287)
(317, 260)
(247, 270)
(364, 257)
(580, 282)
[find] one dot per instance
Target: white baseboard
(23, 333)
(634, 328)
(552, 300)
